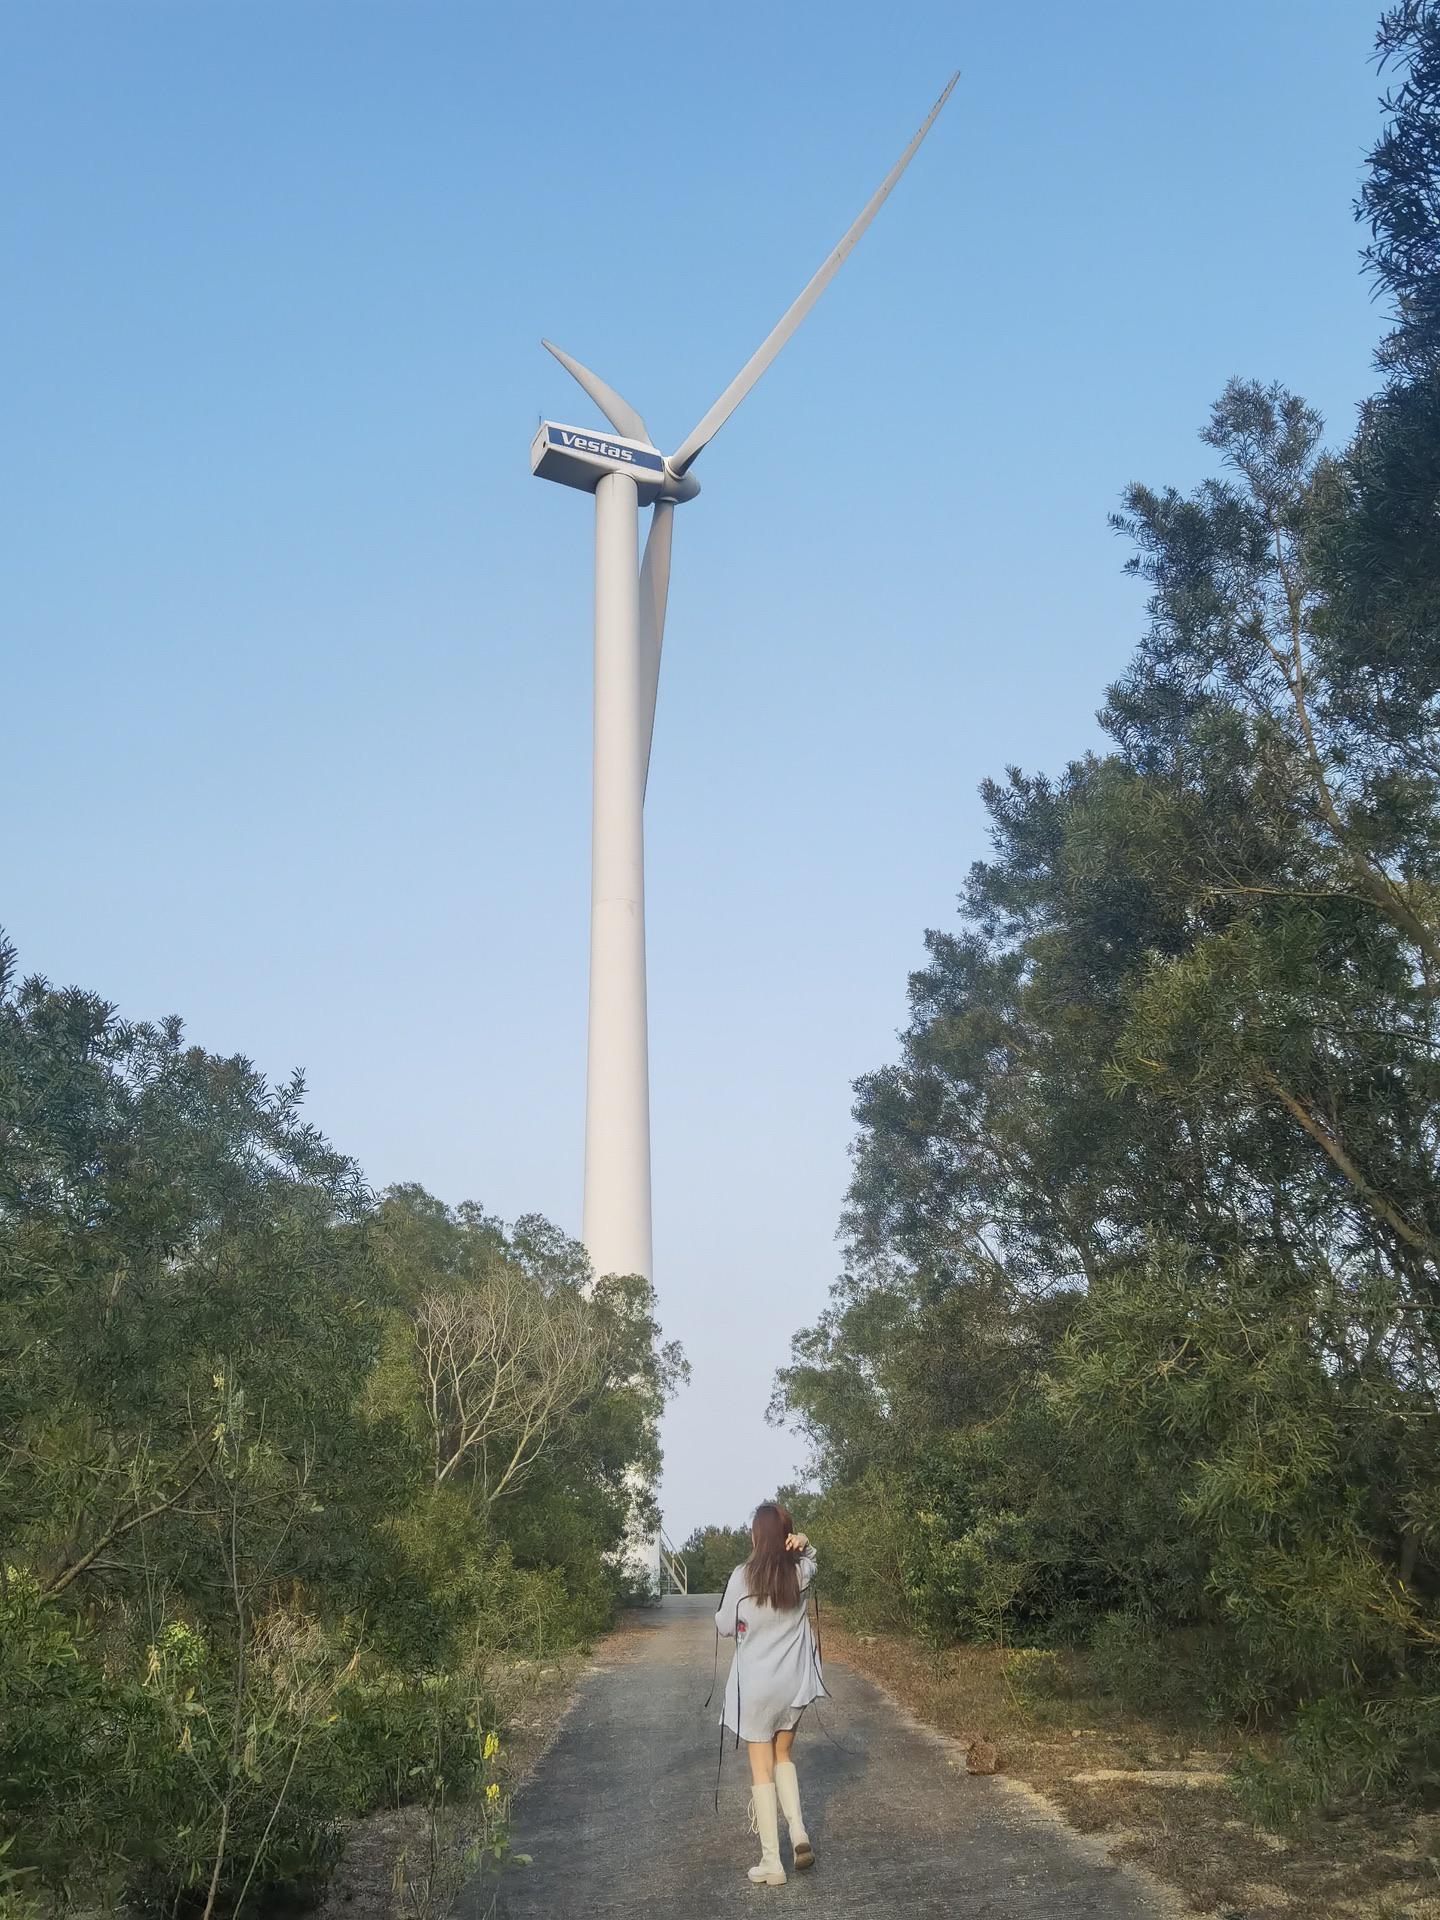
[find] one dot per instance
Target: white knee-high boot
(766, 1817)
(787, 1789)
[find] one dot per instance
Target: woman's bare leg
(762, 1762)
(787, 1790)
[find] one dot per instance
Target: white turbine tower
(625, 472)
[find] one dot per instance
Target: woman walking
(774, 1675)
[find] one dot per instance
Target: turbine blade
(680, 461)
(621, 415)
(654, 591)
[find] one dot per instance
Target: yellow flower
(492, 1745)
(492, 1793)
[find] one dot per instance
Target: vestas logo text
(585, 445)
(607, 449)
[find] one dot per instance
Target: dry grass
(1157, 1794)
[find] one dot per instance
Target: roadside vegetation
(1136, 1351)
(1158, 1785)
(711, 1555)
(294, 1478)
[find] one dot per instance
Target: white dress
(775, 1670)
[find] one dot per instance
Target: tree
(502, 1366)
(711, 1555)
(1141, 1309)
(240, 1598)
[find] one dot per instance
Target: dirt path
(620, 1819)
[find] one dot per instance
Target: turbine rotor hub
(678, 486)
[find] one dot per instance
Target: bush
(258, 1578)
(864, 1533)
(1339, 1750)
(1156, 1670)
(1032, 1676)
(711, 1555)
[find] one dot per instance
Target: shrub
(1341, 1749)
(257, 1581)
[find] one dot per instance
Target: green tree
(711, 1555)
(242, 1596)
(1139, 1316)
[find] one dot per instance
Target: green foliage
(1138, 1343)
(1155, 1668)
(865, 1530)
(1033, 1677)
(240, 1604)
(711, 1555)
(1340, 1750)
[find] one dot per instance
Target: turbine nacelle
(575, 457)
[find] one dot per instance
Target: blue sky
(297, 653)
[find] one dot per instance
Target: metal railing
(672, 1566)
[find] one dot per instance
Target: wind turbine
(626, 471)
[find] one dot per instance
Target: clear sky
(297, 654)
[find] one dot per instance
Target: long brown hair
(770, 1572)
